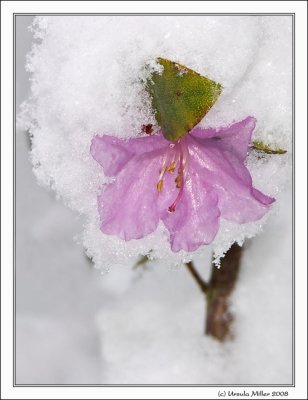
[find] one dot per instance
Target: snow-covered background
(78, 325)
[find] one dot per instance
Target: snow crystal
(87, 78)
(155, 335)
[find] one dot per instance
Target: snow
(92, 83)
(153, 332)
(79, 324)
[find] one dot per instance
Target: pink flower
(188, 184)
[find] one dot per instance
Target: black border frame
(15, 15)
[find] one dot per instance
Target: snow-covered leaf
(180, 98)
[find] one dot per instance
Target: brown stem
(222, 282)
(202, 284)
(218, 290)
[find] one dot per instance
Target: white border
(7, 10)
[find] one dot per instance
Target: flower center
(176, 158)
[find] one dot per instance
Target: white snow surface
(152, 332)
(78, 326)
(86, 77)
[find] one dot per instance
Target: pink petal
(113, 153)
(196, 219)
(226, 173)
(235, 138)
(217, 184)
(128, 207)
(263, 198)
(244, 175)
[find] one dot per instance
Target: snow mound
(87, 74)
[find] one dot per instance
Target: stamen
(177, 154)
(168, 164)
(162, 172)
(178, 181)
(182, 172)
(171, 167)
(160, 185)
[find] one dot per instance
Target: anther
(178, 181)
(171, 167)
(160, 185)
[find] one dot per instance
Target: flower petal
(128, 206)
(235, 138)
(113, 153)
(227, 174)
(196, 219)
(263, 198)
(244, 175)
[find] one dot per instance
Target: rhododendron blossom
(188, 184)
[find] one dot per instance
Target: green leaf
(180, 98)
(260, 146)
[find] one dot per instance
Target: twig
(201, 283)
(221, 285)
(217, 291)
